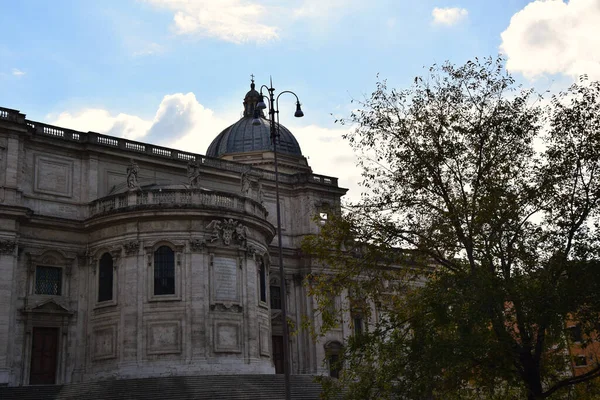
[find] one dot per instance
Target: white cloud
(550, 37)
(236, 21)
(179, 119)
(448, 16)
(242, 21)
(17, 72)
(181, 122)
(329, 154)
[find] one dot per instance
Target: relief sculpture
(229, 231)
(132, 176)
(193, 173)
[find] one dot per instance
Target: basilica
(121, 259)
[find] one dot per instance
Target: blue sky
(174, 72)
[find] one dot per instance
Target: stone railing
(186, 198)
(132, 146)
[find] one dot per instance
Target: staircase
(205, 387)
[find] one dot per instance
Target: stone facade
(124, 259)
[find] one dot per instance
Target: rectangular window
(275, 297)
(262, 282)
(575, 333)
(358, 325)
(105, 278)
(48, 280)
(580, 361)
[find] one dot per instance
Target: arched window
(164, 271)
(105, 278)
(262, 276)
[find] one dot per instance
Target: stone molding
(226, 307)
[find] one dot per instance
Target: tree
(492, 193)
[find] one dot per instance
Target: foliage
(493, 197)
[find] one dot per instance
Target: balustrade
(177, 197)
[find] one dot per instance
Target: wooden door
(44, 352)
(278, 353)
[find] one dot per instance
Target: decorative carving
(115, 254)
(7, 246)
(217, 228)
(255, 251)
(193, 173)
(245, 183)
(229, 230)
(131, 247)
(197, 244)
(132, 176)
(49, 260)
(260, 194)
(223, 307)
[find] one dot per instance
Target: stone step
(205, 387)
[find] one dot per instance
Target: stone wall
(65, 200)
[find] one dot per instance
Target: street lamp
(274, 110)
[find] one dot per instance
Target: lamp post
(274, 110)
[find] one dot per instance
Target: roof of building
(243, 136)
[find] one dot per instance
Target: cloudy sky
(174, 72)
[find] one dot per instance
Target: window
(263, 282)
(48, 280)
(358, 325)
(333, 351)
(334, 366)
(105, 278)
(580, 361)
(575, 333)
(164, 271)
(275, 297)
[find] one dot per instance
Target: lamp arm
(285, 91)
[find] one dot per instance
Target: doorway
(278, 353)
(44, 354)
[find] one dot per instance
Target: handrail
(132, 146)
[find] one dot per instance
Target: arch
(163, 242)
(274, 280)
(52, 257)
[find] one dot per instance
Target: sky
(174, 72)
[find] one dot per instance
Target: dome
(243, 136)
